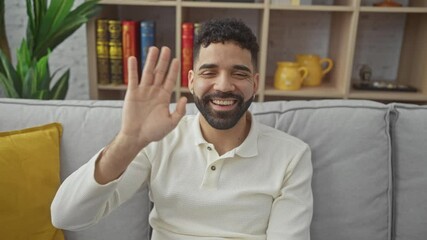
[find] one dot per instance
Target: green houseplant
(47, 27)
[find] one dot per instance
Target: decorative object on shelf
(365, 73)
(289, 75)
(314, 64)
(147, 39)
(366, 83)
(387, 3)
(102, 55)
(47, 27)
(384, 86)
(187, 51)
(115, 51)
(130, 44)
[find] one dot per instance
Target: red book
(130, 44)
(186, 51)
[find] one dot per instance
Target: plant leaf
(69, 24)
(51, 22)
(43, 94)
(8, 87)
(28, 87)
(59, 90)
(9, 72)
(24, 61)
(43, 74)
(40, 8)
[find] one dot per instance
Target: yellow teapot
(289, 76)
(314, 64)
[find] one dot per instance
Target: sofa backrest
(351, 149)
(409, 133)
(367, 180)
(87, 127)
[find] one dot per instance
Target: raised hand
(146, 114)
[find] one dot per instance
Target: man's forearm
(115, 158)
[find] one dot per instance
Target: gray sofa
(369, 159)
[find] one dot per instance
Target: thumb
(179, 111)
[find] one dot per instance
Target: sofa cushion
(29, 179)
(87, 126)
(409, 135)
(351, 147)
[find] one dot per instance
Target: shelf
(312, 8)
(393, 41)
(223, 5)
(322, 91)
(112, 87)
(390, 96)
(139, 2)
(394, 9)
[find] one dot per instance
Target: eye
(241, 75)
(207, 74)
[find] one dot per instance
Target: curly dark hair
(224, 30)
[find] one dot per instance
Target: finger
(172, 76)
(179, 111)
(162, 66)
(147, 77)
(132, 72)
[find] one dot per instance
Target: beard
(222, 120)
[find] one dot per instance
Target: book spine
(186, 51)
(102, 56)
(147, 39)
(130, 44)
(115, 51)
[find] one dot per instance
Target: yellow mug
(314, 64)
(289, 76)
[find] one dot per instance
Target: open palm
(146, 114)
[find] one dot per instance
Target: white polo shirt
(259, 190)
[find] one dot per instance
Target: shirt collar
(248, 148)
(198, 134)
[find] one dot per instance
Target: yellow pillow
(29, 179)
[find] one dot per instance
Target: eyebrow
(242, 67)
(208, 66)
(211, 65)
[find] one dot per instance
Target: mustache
(219, 94)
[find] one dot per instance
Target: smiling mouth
(223, 102)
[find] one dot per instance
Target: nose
(224, 83)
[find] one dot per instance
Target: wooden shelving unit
(343, 17)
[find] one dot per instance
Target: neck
(225, 140)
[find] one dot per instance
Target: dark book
(115, 51)
(147, 29)
(130, 44)
(102, 52)
(186, 51)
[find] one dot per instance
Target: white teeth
(223, 102)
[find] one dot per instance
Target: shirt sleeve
(81, 202)
(292, 210)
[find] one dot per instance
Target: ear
(256, 83)
(191, 81)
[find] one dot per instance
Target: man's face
(224, 83)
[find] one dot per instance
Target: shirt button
(209, 148)
(213, 168)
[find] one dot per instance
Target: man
(216, 175)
